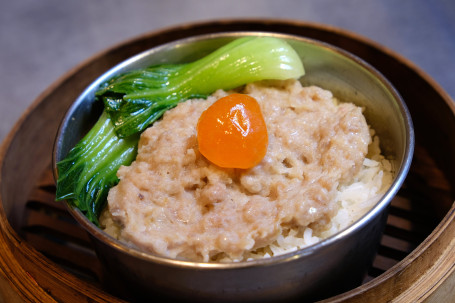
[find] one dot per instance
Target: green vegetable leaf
(89, 170)
(161, 87)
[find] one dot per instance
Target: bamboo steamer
(46, 257)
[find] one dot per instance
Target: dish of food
(314, 180)
(197, 194)
(282, 256)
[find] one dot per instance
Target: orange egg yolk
(232, 132)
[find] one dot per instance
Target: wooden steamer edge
(425, 275)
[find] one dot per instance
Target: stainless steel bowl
(332, 266)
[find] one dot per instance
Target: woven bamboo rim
(424, 275)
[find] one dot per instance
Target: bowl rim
(120, 246)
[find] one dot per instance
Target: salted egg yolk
(232, 133)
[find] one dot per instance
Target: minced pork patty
(173, 202)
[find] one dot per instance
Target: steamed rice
(143, 209)
(354, 200)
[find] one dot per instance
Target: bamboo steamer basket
(47, 257)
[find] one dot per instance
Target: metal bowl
(329, 267)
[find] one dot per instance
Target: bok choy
(136, 99)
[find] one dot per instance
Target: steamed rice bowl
(322, 171)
